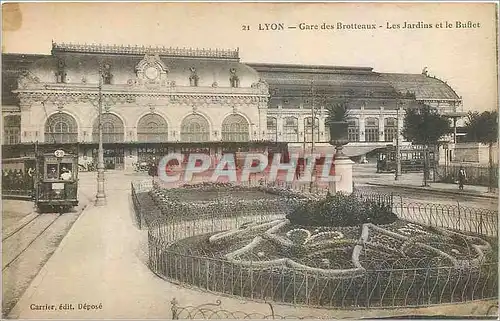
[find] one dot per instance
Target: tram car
(57, 181)
(18, 177)
(412, 159)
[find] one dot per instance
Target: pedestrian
(462, 176)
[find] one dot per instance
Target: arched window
(195, 128)
(112, 129)
(152, 128)
(272, 129)
(291, 129)
(235, 129)
(390, 129)
(309, 129)
(353, 130)
(371, 130)
(12, 129)
(61, 128)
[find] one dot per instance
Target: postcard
(249, 160)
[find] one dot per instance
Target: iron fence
(476, 175)
(456, 217)
(412, 287)
(216, 311)
(391, 287)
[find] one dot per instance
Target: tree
(483, 128)
(424, 126)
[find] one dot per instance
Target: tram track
(8, 234)
(22, 235)
(32, 230)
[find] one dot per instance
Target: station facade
(156, 100)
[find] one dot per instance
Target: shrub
(341, 210)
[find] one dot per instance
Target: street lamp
(398, 147)
(101, 195)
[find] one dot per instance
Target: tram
(412, 159)
(56, 186)
(18, 177)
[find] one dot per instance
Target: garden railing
(392, 287)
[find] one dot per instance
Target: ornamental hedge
(341, 210)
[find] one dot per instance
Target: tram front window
(52, 171)
(66, 173)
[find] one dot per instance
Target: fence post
(459, 227)
(481, 223)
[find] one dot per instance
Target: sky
(463, 57)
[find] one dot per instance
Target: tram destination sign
(59, 153)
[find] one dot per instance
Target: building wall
(474, 153)
(86, 114)
(263, 93)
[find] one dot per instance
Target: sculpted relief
(151, 71)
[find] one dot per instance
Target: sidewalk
(412, 182)
(102, 261)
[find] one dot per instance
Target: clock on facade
(151, 73)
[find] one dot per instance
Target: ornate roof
(423, 86)
(143, 50)
(12, 66)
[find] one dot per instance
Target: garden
(269, 243)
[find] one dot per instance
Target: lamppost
(101, 195)
(398, 147)
(313, 124)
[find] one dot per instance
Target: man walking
(461, 178)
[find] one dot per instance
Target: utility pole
(313, 123)
(398, 148)
(101, 196)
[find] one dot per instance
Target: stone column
(322, 129)
(28, 129)
(279, 128)
(262, 125)
(301, 128)
(361, 128)
(381, 124)
(343, 174)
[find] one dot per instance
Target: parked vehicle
(412, 159)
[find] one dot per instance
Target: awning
(350, 151)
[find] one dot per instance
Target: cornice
(27, 98)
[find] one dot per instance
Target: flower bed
(283, 260)
(341, 210)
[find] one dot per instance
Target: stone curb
(482, 195)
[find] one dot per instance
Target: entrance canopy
(350, 151)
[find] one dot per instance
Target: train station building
(157, 100)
